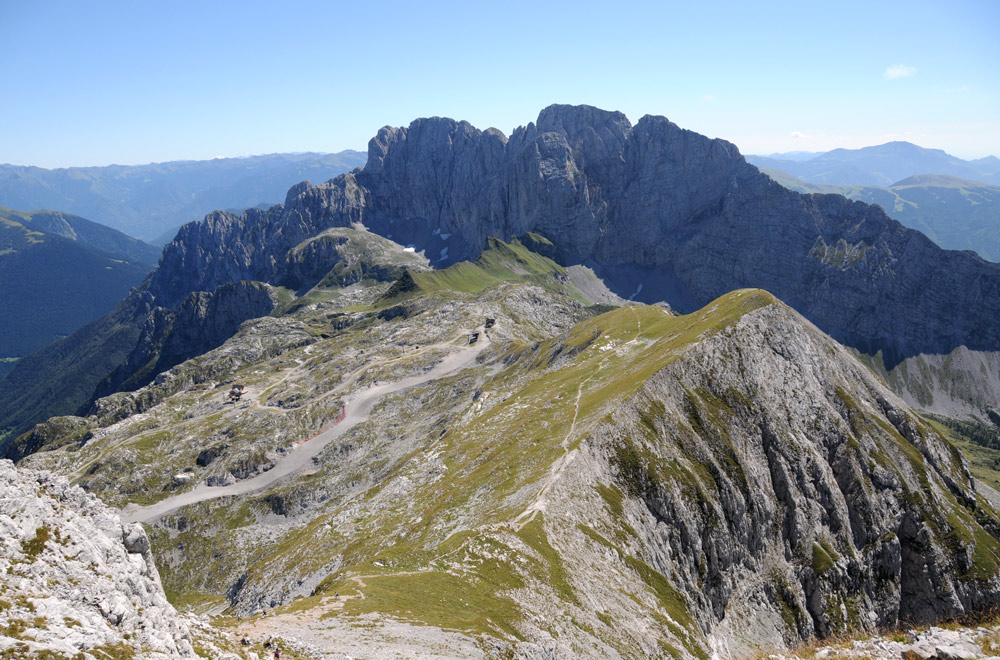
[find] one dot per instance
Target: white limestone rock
(73, 579)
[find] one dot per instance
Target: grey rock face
(74, 579)
(52, 434)
(960, 384)
(227, 248)
(202, 322)
(791, 480)
(654, 205)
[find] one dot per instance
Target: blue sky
(135, 82)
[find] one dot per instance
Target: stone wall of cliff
(639, 203)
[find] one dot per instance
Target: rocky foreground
(953, 643)
(76, 583)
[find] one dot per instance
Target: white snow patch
(409, 248)
(444, 253)
(638, 289)
(445, 236)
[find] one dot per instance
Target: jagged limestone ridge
(649, 204)
(653, 207)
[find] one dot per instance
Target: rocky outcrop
(775, 475)
(51, 434)
(261, 338)
(202, 322)
(340, 258)
(660, 212)
(74, 580)
(227, 248)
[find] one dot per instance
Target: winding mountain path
(357, 409)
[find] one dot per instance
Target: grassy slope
(490, 458)
(517, 441)
(604, 360)
(500, 262)
(84, 232)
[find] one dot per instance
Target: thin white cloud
(899, 71)
(708, 97)
(797, 135)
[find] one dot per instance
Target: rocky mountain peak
(597, 131)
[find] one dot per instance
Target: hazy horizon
(364, 150)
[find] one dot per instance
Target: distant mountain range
(957, 214)
(882, 165)
(148, 200)
(59, 272)
(792, 155)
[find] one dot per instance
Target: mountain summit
(497, 458)
(661, 213)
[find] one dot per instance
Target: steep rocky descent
(660, 212)
(637, 484)
(75, 582)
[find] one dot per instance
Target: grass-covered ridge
(499, 262)
(493, 456)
